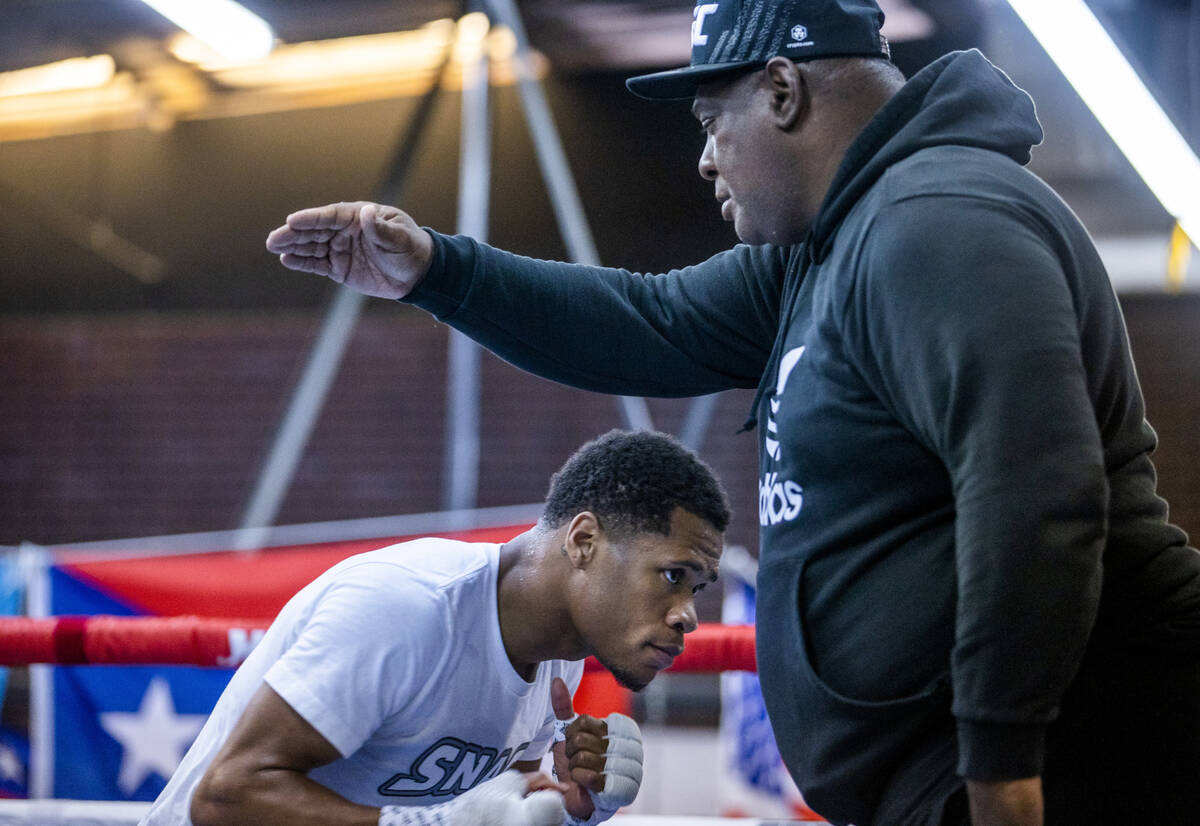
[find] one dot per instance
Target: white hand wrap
(498, 802)
(622, 768)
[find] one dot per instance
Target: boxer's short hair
(633, 481)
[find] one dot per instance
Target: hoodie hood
(961, 99)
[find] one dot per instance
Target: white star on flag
(10, 766)
(154, 737)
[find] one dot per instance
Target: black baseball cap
(734, 35)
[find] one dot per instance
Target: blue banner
(11, 591)
(753, 781)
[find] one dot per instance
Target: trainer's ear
(791, 96)
(583, 538)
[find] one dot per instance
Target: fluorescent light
(501, 44)
(1093, 64)
(329, 63)
(227, 27)
(63, 76)
(472, 31)
(390, 63)
(293, 76)
(115, 105)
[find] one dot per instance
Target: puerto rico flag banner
(104, 732)
(753, 781)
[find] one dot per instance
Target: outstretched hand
(375, 249)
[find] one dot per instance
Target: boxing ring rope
(209, 641)
(215, 642)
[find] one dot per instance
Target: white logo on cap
(701, 11)
(799, 37)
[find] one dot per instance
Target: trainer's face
(745, 157)
(640, 599)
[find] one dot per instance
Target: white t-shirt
(395, 657)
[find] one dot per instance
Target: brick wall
(1164, 332)
(137, 425)
(134, 425)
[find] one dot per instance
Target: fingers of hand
(560, 700)
(624, 736)
(286, 239)
(622, 764)
(344, 241)
(584, 740)
(375, 235)
(622, 779)
(388, 228)
(330, 216)
(586, 749)
(309, 250)
(280, 238)
(587, 724)
(395, 217)
(564, 711)
(589, 778)
(304, 263)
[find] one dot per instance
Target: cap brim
(680, 84)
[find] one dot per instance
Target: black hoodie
(955, 494)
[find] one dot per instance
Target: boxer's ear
(583, 539)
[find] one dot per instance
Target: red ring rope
(207, 641)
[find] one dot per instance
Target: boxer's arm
(260, 774)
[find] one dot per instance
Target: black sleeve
(973, 342)
(688, 332)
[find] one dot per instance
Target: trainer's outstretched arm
(375, 249)
(688, 332)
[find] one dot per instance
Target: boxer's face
(640, 600)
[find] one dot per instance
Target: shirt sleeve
(688, 332)
(372, 643)
(972, 341)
